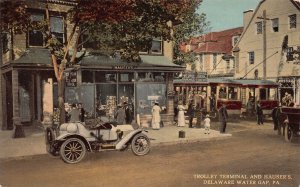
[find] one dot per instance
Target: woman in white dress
(181, 119)
(156, 116)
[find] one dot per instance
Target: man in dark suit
(223, 116)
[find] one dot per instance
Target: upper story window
(275, 25)
(251, 57)
(258, 27)
(293, 21)
(289, 54)
(214, 61)
(57, 27)
(256, 74)
(36, 38)
(235, 40)
(227, 64)
(156, 48)
(201, 62)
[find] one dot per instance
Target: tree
(193, 24)
(123, 26)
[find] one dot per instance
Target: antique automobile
(71, 141)
(287, 122)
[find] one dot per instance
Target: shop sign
(71, 78)
(153, 97)
(123, 67)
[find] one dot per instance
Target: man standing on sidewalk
(223, 116)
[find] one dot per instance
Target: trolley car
(211, 93)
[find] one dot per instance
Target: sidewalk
(34, 143)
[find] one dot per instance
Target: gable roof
(217, 42)
(296, 3)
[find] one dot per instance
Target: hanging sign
(71, 78)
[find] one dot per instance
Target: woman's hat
(207, 116)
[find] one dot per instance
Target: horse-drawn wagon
(287, 122)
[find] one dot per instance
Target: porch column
(170, 96)
(3, 115)
(38, 97)
(19, 131)
(31, 93)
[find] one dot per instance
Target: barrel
(181, 134)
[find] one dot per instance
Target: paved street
(252, 150)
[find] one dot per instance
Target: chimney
(247, 17)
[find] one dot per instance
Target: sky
(226, 14)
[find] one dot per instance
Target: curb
(187, 141)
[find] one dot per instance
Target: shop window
(71, 96)
(159, 76)
(223, 93)
(232, 93)
(35, 37)
(87, 77)
(57, 28)
(106, 100)
(101, 77)
(147, 94)
(251, 57)
(259, 27)
(126, 93)
(263, 94)
(293, 21)
(275, 25)
(88, 99)
(126, 77)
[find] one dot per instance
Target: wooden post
(18, 132)
(38, 97)
(264, 46)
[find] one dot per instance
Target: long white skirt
(181, 119)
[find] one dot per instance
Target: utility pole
(264, 46)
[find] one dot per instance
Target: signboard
(71, 78)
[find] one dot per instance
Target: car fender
(66, 136)
(127, 138)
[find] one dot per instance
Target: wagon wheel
(73, 150)
(140, 144)
(49, 139)
(288, 133)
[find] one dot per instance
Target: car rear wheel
(73, 150)
(140, 144)
(288, 133)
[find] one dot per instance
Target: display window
(147, 94)
(106, 100)
(101, 77)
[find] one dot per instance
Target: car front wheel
(140, 144)
(73, 150)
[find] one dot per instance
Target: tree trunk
(61, 101)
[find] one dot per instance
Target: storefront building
(99, 83)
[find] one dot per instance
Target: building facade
(29, 87)
(214, 52)
(269, 45)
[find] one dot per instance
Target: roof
(296, 3)
(147, 61)
(256, 82)
(41, 57)
(217, 42)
